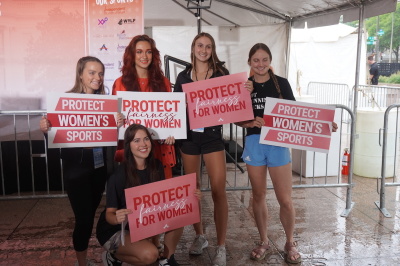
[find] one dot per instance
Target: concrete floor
(38, 231)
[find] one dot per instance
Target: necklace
(204, 77)
(262, 84)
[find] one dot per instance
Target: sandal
(292, 252)
(259, 252)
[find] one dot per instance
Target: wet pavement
(38, 231)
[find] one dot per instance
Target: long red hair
(155, 73)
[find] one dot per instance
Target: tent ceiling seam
(251, 9)
(221, 17)
(283, 16)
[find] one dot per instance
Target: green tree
(385, 23)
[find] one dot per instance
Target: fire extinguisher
(345, 162)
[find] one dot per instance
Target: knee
(218, 194)
(259, 195)
(286, 204)
(148, 256)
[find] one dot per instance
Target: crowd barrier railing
(381, 204)
(24, 160)
(377, 96)
(48, 190)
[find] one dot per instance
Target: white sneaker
(220, 256)
(199, 243)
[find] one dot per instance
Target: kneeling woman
(139, 168)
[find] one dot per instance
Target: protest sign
(163, 113)
(162, 206)
(299, 125)
(81, 120)
(218, 101)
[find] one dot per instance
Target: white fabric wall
(233, 44)
(325, 54)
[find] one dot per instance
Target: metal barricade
(330, 93)
(18, 178)
(11, 118)
(236, 180)
(381, 204)
(375, 96)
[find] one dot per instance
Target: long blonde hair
(213, 62)
(80, 66)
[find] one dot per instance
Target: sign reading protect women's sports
(162, 206)
(163, 113)
(299, 125)
(81, 120)
(218, 101)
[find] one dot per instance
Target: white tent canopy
(262, 12)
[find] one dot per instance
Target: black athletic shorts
(203, 142)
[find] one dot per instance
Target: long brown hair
(265, 48)
(80, 66)
(132, 178)
(213, 62)
(155, 73)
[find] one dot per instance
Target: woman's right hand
(121, 215)
(257, 122)
(44, 124)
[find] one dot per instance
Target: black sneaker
(168, 262)
(110, 260)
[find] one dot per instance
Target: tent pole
(198, 21)
(359, 42)
(289, 39)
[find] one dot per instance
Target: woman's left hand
(249, 85)
(119, 118)
(197, 193)
(334, 127)
(170, 140)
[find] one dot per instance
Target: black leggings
(85, 186)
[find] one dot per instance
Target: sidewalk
(38, 232)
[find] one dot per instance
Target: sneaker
(88, 263)
(110, 260)
(168, 262)
(220, 256)
(199, 243)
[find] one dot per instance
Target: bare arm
(114, 216)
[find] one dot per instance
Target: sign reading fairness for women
(81, 120)
(218, 101)
(163, 113)
(162, 206)
(299, 125)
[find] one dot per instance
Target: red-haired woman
(142, 72)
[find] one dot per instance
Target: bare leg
(281, 177)
(216, 168)
(81, 257)
(142, 252)
(258, 179)
(171, 240)
(191, 164)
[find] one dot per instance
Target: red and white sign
(163, 113)
(218, 101)
(299, 125)
(162, 206)
(81, 120)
